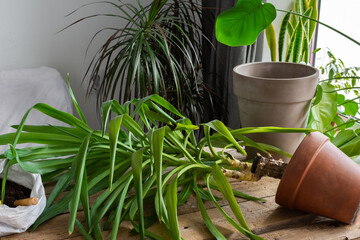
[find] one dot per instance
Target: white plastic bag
(19, 219)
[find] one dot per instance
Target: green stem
(350, 100)
(341, 89)
(352, 121)
(337, 78)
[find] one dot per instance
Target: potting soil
(14, 191)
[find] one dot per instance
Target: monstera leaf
(242, 24)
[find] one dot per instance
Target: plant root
(269, 167)
(240, 175)
(260, 167)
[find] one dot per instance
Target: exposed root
(240, 165)
(260, 167)
(240, 175)
(269, 167)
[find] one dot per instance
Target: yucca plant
(158, 51)
(148, 151)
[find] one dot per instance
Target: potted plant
(298, 25)
(272, 93)
(158, 51)
(148, 152)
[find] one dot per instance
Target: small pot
(275, 94)
(321, 179)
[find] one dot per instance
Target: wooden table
(265, 219)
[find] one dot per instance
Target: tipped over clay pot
(321, 179)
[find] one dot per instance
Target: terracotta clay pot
(275, 94)
(321, 179)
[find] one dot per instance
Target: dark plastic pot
(321, 179)
(275, 94)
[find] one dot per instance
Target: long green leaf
(241, 229)
(226, 190)
(223, 130)
(157, 143)
(74, 101)
(119, 210)
(314, 15)
(136, 163)
(79, 176)
(114, 129)
(282, 35)
(171, 206)
(209, 224)
(298, 42)
(271, 40)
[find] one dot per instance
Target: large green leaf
(242, 24)
(351, 108)
(352, 148)
(324, 112)
(344, 137)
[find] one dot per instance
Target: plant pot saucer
(321, 179)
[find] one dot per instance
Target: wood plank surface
(265, 219)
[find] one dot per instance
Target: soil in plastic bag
(14, 191)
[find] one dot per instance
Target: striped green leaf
(282, 35)
(298, 43)
(314, 15)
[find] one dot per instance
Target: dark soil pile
(14, 191)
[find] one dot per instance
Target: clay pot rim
(310, 76)
(295, 173)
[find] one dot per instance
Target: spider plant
(158, 51)
(148, 150)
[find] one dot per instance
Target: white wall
(29, 38)
(343, 17)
